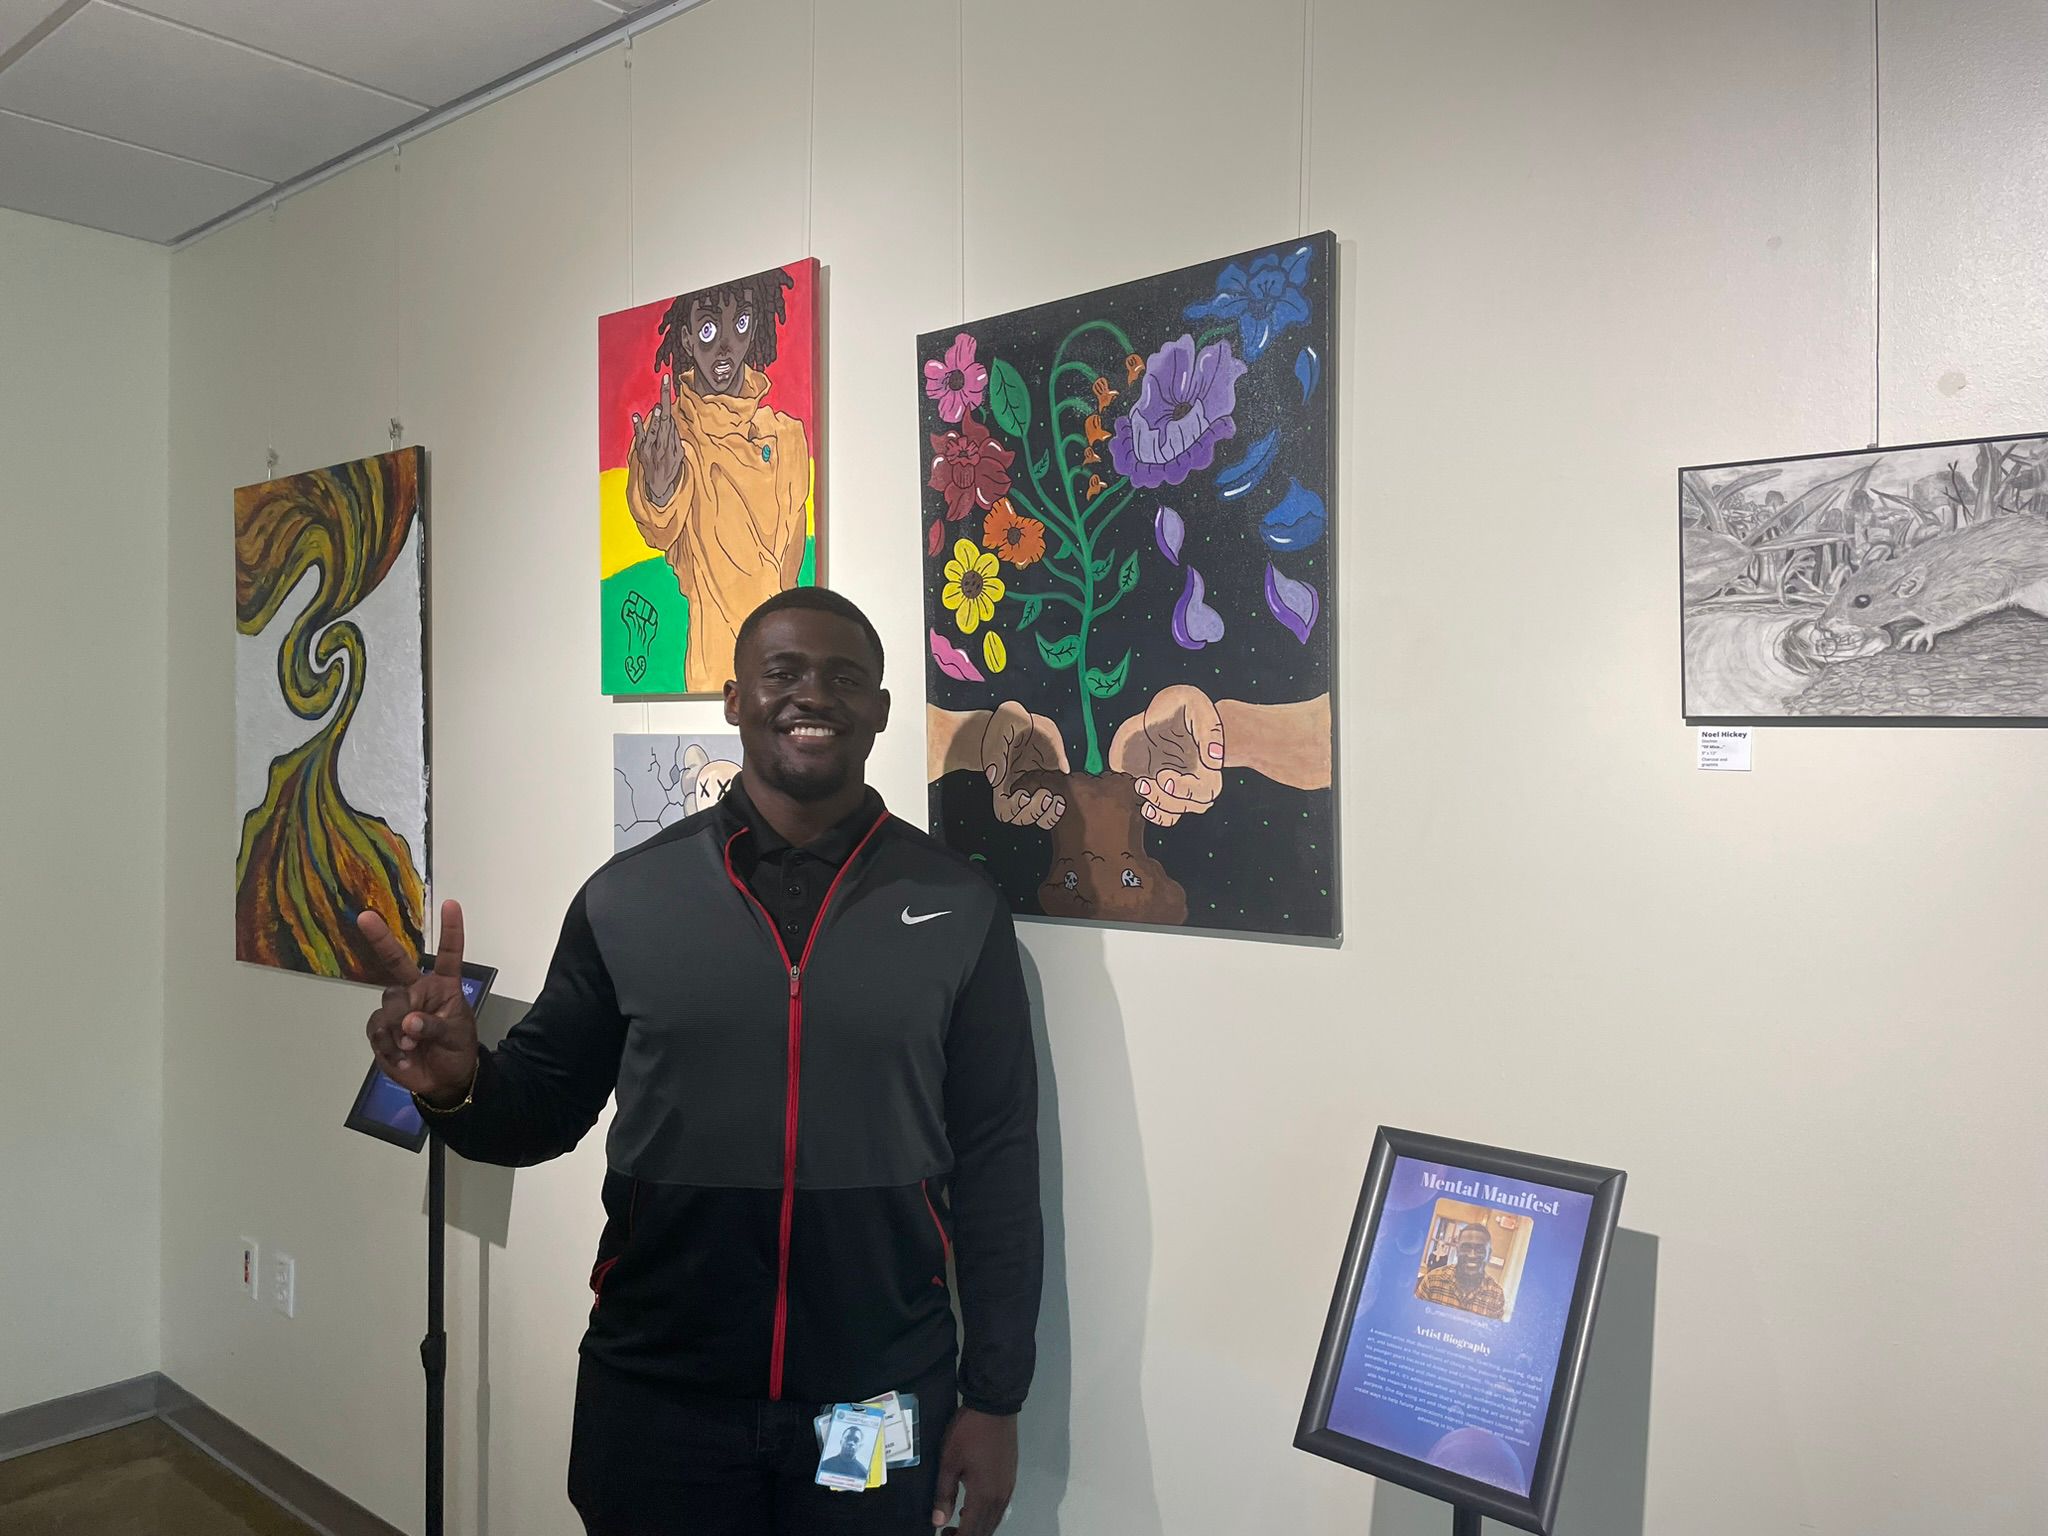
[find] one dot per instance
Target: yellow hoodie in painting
(733, 530)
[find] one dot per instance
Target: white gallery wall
(1584, 241)
(84, 358)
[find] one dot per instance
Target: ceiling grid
(153, 118)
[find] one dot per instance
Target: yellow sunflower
(972, 587)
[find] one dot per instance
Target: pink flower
(957, 382)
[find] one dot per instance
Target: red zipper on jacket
(789, 1109)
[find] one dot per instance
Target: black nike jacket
(802, 1140)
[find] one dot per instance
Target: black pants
(647, 1460)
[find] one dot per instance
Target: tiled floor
(140, 1481)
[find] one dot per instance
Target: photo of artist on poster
(1451, 1356)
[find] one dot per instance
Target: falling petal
(994, 654)
(1170, 532)
(1293, 603)
(1308, 368)
(935, 538)
(1248, 471)
(1297, 522)
(953, 661)
(1195, 623)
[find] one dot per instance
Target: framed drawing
(331, 771)
(657, 780)
(1903, 584)
(707, 441)
(1456, 1339)
(1127, 523)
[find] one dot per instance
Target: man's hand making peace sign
(424, 1032)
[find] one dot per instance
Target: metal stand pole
(434, 1347)
(1464, 1522)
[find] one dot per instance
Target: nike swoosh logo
(912, 922)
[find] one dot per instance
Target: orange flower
(1094, 487)
(1133, 366)
(1103, 393)
(1019, 540)
(1095, 432)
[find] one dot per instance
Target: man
(853, 1459)
(718, 479)
(1465, 1283)
(814, 1020)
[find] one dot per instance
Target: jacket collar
(738, 813)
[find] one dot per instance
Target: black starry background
(1264, 859)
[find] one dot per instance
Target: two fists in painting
(424, 1031)
(1174, 752)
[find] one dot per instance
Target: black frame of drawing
(1538, 1509)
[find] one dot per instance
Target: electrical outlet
(284, 1284)
(252, 1272)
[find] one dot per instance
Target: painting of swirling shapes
(330, 713)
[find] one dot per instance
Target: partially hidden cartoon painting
(331, 771)
(1128, 513)
(707, 444)
(1906, 583)
(657, 780)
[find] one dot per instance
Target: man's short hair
(819, 600)
(1474, 1226)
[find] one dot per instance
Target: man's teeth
(812, 730)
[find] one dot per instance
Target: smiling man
(814, 1019)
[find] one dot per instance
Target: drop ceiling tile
(63, 174)
(149, 82)
(429, 51)
(18, 18)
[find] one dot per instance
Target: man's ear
(732, 702)
(883, 724)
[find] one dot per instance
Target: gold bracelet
(468, 1093)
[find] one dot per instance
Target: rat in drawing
(1940, 585)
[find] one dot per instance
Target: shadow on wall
(1606, 1479)
(1112, 1229)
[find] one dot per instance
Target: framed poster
(331, 743)
(1456, 1340)
(1127, 524)
(707, 443)
(385, 1110)
(1906, 585)
(657, 780)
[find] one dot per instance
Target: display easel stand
(1464, 1522)
(434, 1347)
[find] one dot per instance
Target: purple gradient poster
(1452, 1354)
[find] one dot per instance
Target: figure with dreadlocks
(718, 479)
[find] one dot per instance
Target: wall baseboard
(41, 1426)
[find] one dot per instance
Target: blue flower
(1264, 301)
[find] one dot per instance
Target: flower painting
(1125, 535)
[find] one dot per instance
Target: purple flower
(1182, 413)
(1264, 301)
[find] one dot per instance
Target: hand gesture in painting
(424, 1032)
(658, 446)
(1015, 742)
(1175, 752)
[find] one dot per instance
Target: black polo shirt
(789, 881)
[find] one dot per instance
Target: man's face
(721, 337)
(808, 702)
(1474, 1249)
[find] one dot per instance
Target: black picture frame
(1951, 721)
(1536, 1510)
(362, 1118)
